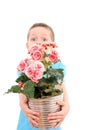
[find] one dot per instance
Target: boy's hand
(32, 116)
(59, 116)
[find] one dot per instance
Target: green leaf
(47, 90)
(29, 89)
(23, 78)
(14, 89)
(57, 73)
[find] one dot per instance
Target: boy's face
(39, 35)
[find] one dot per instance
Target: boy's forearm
(23, 101)
(66, 100)
(65, 94)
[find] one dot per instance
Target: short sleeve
(60, 65)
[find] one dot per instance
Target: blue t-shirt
(23, 123)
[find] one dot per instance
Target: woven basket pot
(44, 107)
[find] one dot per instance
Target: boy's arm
(65, 104)
(32, 116)
(59, 116)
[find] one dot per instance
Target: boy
(38, 34)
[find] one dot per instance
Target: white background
(68, 18)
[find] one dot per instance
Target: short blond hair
(42, 25)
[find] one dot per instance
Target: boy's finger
(61, 103)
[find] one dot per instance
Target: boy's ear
(27, 45)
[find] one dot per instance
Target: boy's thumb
(61, 103)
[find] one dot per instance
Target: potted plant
(38, 79)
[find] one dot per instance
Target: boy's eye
(44, 39)
(33, 39)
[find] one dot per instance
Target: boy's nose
(39, 43)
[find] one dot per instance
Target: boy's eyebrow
(32, 34)
(43, 35)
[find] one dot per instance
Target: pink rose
(37, 55)
(53, 45)
(36, 75)
(44, 45)
(26, 60)
(53, 56)
(21, 66)
(33, 49)
(35, 71)
(29, 71)
(40, 66)
(21, 84)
